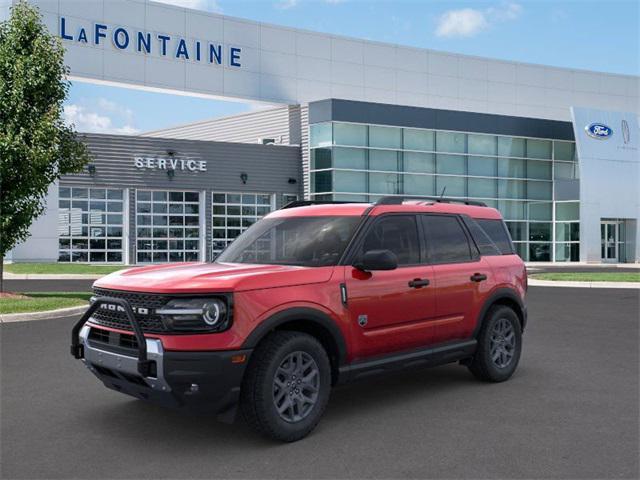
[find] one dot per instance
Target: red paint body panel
(397, 317)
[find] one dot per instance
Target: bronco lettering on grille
(118, 308)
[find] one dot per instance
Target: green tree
(36, 147)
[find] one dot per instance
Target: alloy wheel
(503, 343)
(296, 385)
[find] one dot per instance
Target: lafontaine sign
(160, 44)
(171, 163)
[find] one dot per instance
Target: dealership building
(555, 150)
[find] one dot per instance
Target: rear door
(391, 310)
(461, 277)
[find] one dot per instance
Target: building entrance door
(609, 232)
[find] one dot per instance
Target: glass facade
(90, 225)
(358, 162)
(167, 226)
(233, 213)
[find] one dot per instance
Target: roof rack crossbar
(397, 200)
(306, 203)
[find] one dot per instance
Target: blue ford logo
(599, 130)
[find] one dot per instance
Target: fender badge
(362, 320)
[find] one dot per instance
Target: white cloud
(207, 5)
(467, 22)
(105, 117)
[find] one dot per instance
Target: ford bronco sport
(311, 296)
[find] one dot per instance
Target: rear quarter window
(497, 231)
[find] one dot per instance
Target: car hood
(211, 277)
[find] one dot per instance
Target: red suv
(311, 296)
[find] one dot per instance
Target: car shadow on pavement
(366, 399)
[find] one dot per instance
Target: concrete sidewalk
(52, 276)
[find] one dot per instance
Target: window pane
(483, 144)
(539, 211)
(539, 232)
(564, 150)
(419, 185)
(567, 232)
(566, 171)
(453, 164)
(446, 239)
(398, 234)
(355, 182)
(512, 210)
(349, 158)
(419, 139)
(510, 147)
(511, 167)
(539, 190)
(482, 187)
(541, 170)
(419, 162)
(350, 134)
(567, 211)
(539, 252)
(320, 158)
(567, 252)
(321, 181)
(383, 160)
(518, 230)
(538, 149)
(483, 166)
(451, 186)
(320, 134)
(511, 189)
(383, 183)
(385, 137)
(451, 142)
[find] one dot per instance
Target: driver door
(388, 310)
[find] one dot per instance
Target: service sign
(170, 163)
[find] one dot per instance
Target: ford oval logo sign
(599, 131)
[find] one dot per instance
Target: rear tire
(499, 346)
(286, 387)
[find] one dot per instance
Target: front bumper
(207, 381)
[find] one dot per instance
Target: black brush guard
(144, 365)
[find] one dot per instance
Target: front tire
(499, 346)
(287, 385)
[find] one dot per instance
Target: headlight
(196, 314)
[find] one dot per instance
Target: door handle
(418, 282)
(478, 277)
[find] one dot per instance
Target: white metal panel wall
(292, 66)
(281, 124)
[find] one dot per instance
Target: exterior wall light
(292, 181)
(171, 173)
(244, 177)
(91, 168)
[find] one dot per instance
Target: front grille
(117, 319)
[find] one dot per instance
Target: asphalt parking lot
(571, 411)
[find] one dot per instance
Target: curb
(552, 283)
(60, 312)
(50, 276)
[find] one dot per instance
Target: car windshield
(304, 241)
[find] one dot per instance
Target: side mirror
(377, 260)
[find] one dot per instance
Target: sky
(599, 35)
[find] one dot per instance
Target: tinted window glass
(396, 233)
(446, 240)
(484, 243)
(498, 233)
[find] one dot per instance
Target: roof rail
(306, 203)
(397, 200)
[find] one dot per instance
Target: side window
(398, 233)
(497, 232)
(484, 243)
(446, 239)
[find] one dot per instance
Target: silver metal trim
(125, 363)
